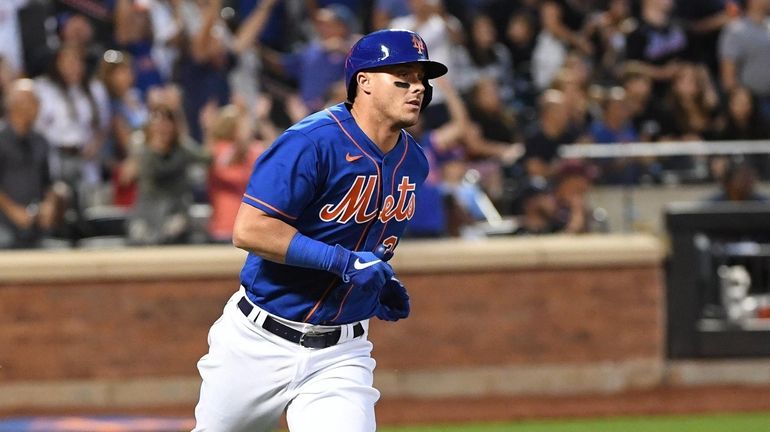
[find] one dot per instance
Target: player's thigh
(243, 378)
(340, 398)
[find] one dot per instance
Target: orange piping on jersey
(366, 229)
(320, 300)
(374, 162)
(326, 292)
(342, 303)
(393, 183)
(284, 214)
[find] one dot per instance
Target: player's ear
(364, 82)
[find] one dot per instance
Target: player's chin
(407, 121)
(410, 116)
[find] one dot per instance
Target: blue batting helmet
(390, 47)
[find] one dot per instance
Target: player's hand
(362, 269)
(394, 301)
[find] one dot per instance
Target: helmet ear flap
(428, 95)
(352, 92)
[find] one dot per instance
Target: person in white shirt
(10, 34)
(74, 115)
(441, 33)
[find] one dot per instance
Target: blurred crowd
(157, 109)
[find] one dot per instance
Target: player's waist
(305, 334)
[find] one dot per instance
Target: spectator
(7, 75)
(651, 119)
(503, 12)
(206, 62)
(246, 76)
(168, 35)
(320, 64)
(615, 127)
(520, 35)
(572, 182)
(39, 36)
(282, 28)
(744, 123)
(738, 184)
(386, 11)
(538, 208)
(31, 204)
(491, 141)
(10, 35)
(76, 29)
(497, 123)
(133, 34)
(543, 141)
(562, 30)
(100, 14)
(160, 164)
(658, 44)
(572, 81)
(608, 31)
(74, 120)
(704, 21)
(744, 52)
(486, 58)
(442, 34)
(234, 152)
(129, 115)
(694, 103)
(437, 212)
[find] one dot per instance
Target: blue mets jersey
(327, 179)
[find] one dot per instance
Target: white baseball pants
(251, 376)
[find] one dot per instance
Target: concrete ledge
(518, 380)
(717, 372)
(99, 393)
(199, 262)
(544, 380)
(450, 382)
(171, 262)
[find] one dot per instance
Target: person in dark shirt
(652, 120)
(738, 184)
(704, 20)
(30, 204)
(658, 44)
(542, 143)
(538, 208)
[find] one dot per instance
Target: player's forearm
(256, 232)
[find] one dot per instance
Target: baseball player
(322, 213)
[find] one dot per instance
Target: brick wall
(134, 315)
(526, 317)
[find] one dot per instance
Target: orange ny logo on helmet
(418, 44)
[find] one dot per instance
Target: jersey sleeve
(285, 177)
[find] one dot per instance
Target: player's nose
(418, 86)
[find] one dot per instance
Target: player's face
(398, 92)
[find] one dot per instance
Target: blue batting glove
(394, 301)
(362, 269)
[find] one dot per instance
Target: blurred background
(597, 201)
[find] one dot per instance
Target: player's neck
(382, 132)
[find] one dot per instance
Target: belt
(307, 340)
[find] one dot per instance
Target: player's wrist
(306, 252)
